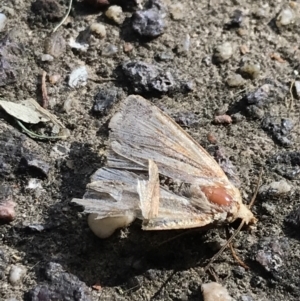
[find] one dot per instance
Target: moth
(144, 144)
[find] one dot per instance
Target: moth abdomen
(217, 195)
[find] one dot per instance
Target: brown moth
(144, 140)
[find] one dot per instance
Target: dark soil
(133, 264)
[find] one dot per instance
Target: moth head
(245, 214)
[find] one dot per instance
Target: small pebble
(184, 46)
(104, 100)
(259, 95)
(3, 20)
(214, 291)
(177, 11)
(53, 79)
(78, 46)
(109, 50)
(211, 138)
(237, 18)
(16, 274)
(58, 285)
(297, 88)
(55, 45)
(78, 77)
(277, 188)
(7, 211)
(34, 183)
(150, 22)
(262, 11)
(47, 58)
(242, 32)
(98, 29)
(127, 47)
(235, 80)
(115, 13)
(269, 260)
(244, 49)
(222, 119)
(250, 70)
(143, 77)
(223, 52)
(285, 17)
(165, 56)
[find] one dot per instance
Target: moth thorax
(217, 195)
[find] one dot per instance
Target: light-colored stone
(16, 274)
(3, 21)
(223, 52)
(115, 13)
(78, 77)
(98, 29)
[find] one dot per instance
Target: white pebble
(281, 187)
(115, 13)
(297, 87)
(34, 184)
(16, 274)
(3, 20)
(285, 17)
(75, 45)
(214, 291)
(223, 52)
(78, 77)
(99, 29)
(177, 11)
(47, 58)
(105, 227)
(235, 80)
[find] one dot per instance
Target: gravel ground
(224, 70)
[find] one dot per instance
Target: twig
(65, 17)
(45, 98)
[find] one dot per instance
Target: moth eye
(217, 195)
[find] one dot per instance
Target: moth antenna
(239, 227)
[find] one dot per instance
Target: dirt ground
(133, 264)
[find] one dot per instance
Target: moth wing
(114, 193)
(179, 212)
(111, 193)
(140, 131)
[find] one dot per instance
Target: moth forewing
(140, 131)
